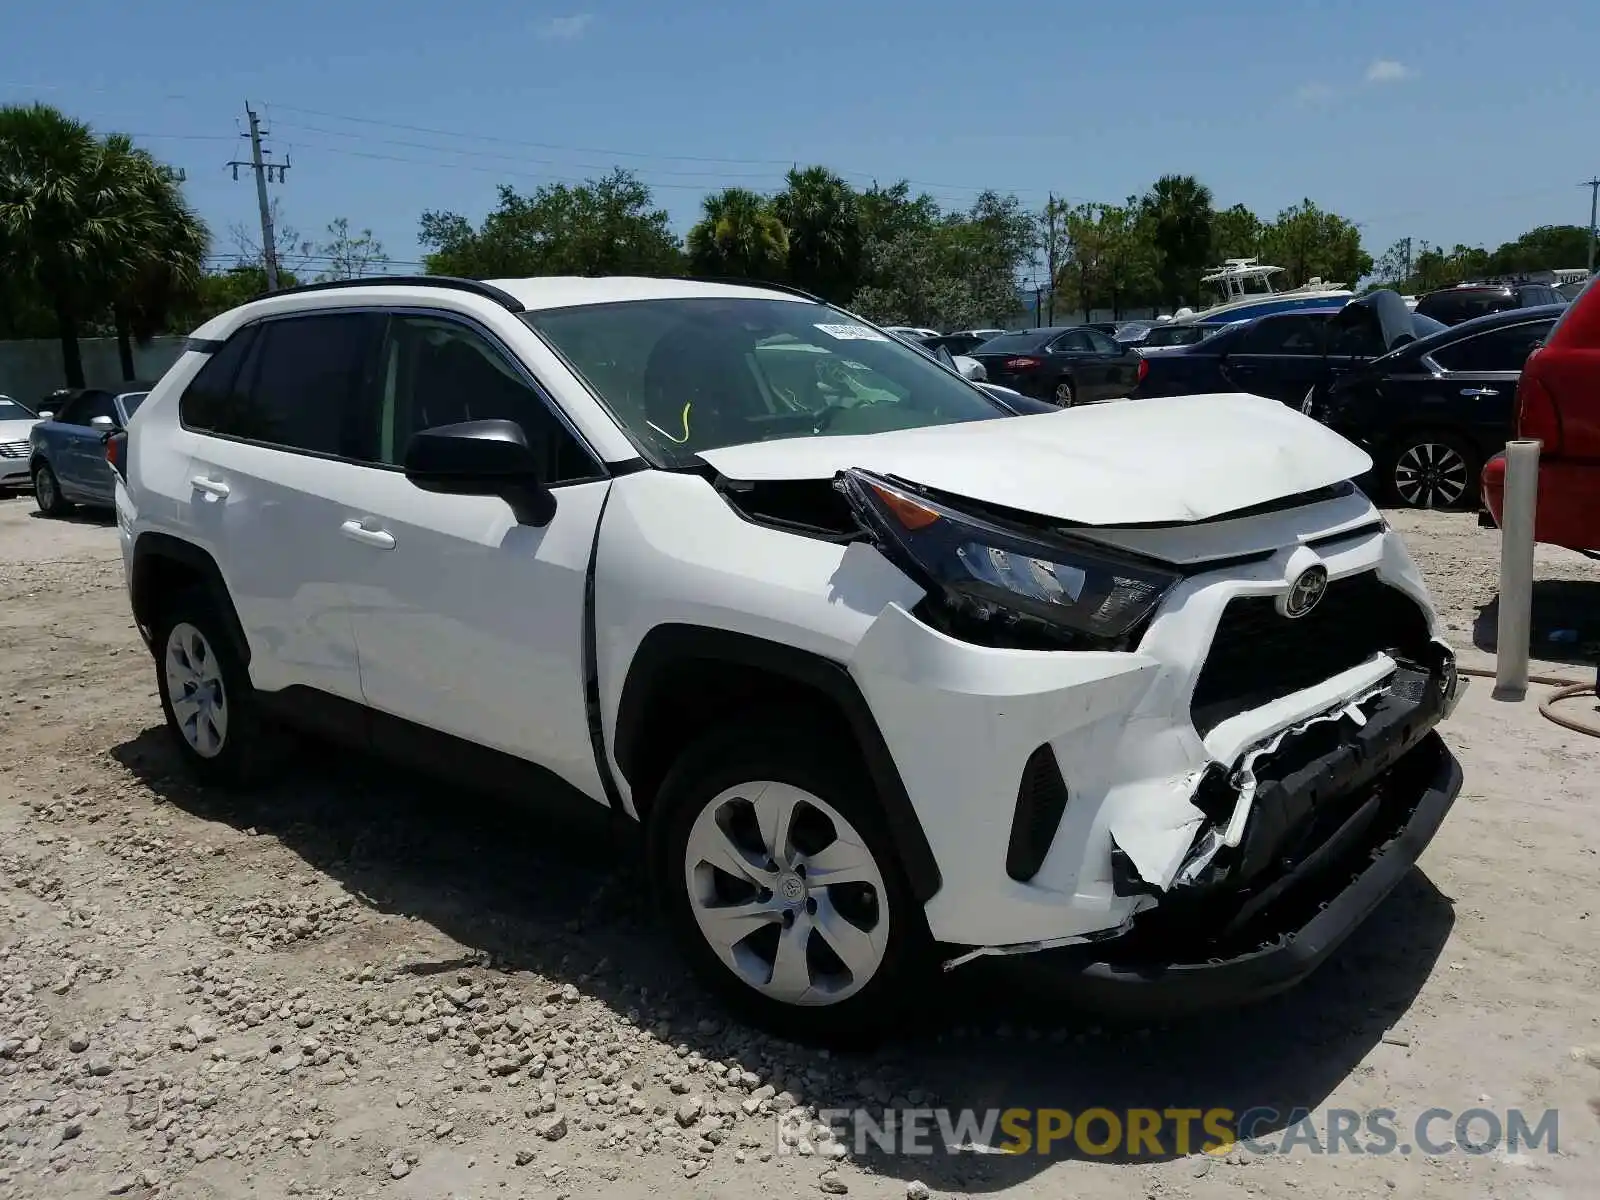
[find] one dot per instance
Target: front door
(467, 622)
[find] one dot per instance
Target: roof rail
(736, 281)
(476, 286)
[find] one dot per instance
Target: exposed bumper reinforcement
(1306, 922)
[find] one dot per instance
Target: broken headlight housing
(1005, 579)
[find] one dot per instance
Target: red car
(1558, 402)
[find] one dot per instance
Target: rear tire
(852, 953)
(1064, 396)
(1431, 468)
(206, 694)
(47, 492)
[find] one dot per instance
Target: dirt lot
(360, 985)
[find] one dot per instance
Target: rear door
(1279, 356)
(275, 459)
(1121, 364)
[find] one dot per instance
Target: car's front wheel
(782, 886)
(47, 491)
(1431, 469)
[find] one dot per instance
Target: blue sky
(1451, 120)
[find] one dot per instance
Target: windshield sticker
(853, 333)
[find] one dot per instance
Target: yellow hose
(1565, 690)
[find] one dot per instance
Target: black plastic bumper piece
(1423, 786)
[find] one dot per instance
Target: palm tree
(60, 220)
(822, 215)
(160, 272)
(92, 224)
(739, 236)
(1178, 208)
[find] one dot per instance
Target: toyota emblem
(1306, 591)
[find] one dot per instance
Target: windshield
(1020, 340)
(697, 373)
(10, 410)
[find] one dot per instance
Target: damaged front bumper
(1335, 812)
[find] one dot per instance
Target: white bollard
(1516, 569)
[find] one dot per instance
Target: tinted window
(436, 371)
(1016, 343)
(1293, 333)
(691, 374)
(210, 402)
(1454, 307)
(1504, 349)
(1103, 344)
(131, 402)
(1076, 342)
(299, 384)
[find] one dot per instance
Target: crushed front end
(1201, 813)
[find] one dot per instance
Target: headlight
(1002, 575)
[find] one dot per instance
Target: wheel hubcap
(1064, 395)
(1430, 475)
(787, 894)
(195, 691)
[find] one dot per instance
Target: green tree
(739, 237)
(349, 256)
(1178, 208)
(76, 218)
(1547, 248)
(1309, 242)
(161, 274)
(1235, 233)
(604, 226)
(822, 215)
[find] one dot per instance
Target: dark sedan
(1284, 355)
(1068, 366)
(1433, 411)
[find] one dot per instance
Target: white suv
(888, 676)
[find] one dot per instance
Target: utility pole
(264, 173)
(1594, 193)
(1406, 276)
(1051, 266)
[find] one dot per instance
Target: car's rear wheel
(782, 886)
(206, 695)
(47, 491)
(1431, 469)
(1064, 395)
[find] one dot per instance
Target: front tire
(47, 492)
(1431, 468)
(206, 695)
(781, 884)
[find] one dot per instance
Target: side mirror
(102, 424)
(47, 415)
(482, 458)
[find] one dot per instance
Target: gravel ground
(356, 984)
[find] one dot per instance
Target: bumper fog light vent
(1041, 801)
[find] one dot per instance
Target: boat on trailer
(1246, 292)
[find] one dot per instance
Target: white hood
(1171, 459)
(16, 431)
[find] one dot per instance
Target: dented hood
(1171, 459)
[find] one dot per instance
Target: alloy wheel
(1064, 394)
(787, 894)
(195, 690)
(44, 489)
(1430, 475)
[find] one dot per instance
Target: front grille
(1259, 655)
(14, 449)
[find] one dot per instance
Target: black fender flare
(154, 551)
(668, 644)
